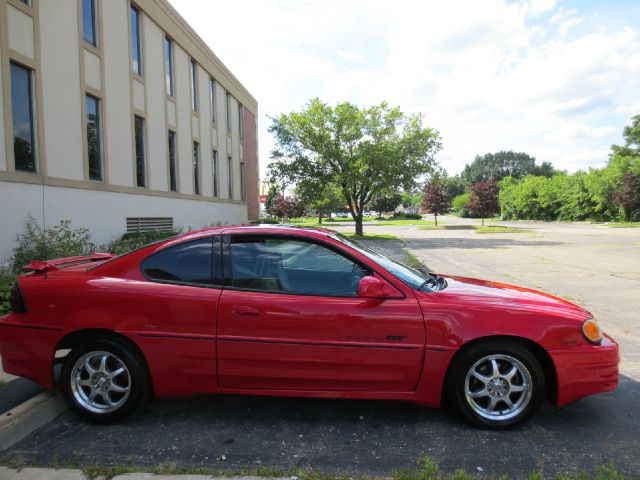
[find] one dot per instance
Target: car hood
(477, 292)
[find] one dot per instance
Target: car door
(289, 318)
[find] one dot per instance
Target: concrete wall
(103, 213)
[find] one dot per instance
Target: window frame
(228, 111)
(144, 150)
(216, 258)
(169, 86)
(213, 100)
(31, 89)
(230, 178)
(172, 144)
(99, 147)
(136, 41)
(193, 74)
(227, 272)
(215, 173)
(197, 190)
(94, 23)
(243, 182)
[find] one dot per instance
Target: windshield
(412, 277)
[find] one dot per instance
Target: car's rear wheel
(104, 380)
(496, 384)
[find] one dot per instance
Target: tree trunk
(483, 222)
(435, 215)
(320, 218)
(359, 230)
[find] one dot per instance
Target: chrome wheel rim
(100, 382)
(498, 387)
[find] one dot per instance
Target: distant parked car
(342, 215)
(265, 310)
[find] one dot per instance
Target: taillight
(16, 300)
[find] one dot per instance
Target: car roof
(258, 229)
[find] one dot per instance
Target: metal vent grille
(146, 224)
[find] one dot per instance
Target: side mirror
(374, 287)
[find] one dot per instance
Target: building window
(230, 177)
(26, 2)
(140, 155)
(214, 171)
(212, 98)
(24, 147)
(228, 111)
(94, 150)
(194, 86)
(196, 168)
(89, 21)
(168, 65)
(173, 173)
(240, 122)
(243, 193)
(136, 51)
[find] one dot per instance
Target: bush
(133, 240)
(407, 216)
(44, 243)
(266, 221)
(459, 205)
(6, 282)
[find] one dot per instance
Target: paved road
(595, 266)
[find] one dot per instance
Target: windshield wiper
(432, 281)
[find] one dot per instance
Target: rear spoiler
(55, 264)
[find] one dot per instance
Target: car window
(190, 262)
(292, 266)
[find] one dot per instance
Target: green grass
(411, 260)
(426, 469)
(622, 225)
(402, 222)
(2, 382)
(477, 228)
(498, 229)
(372, 236)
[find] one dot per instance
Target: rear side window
(192, 262)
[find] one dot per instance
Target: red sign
(263, 198)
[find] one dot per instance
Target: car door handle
(244, 311)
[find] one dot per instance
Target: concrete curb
(7, 473)
(36, 412)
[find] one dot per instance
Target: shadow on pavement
(345, 437)
(467, 243)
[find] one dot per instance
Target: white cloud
(489, 75)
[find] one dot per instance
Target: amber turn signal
(591, 331)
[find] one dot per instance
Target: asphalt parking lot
(594, 266)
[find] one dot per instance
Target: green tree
(436, 197)
(385, 202)
(631, 134)
(364, 151)
(628, 196)
(322, 198)
(496, 166)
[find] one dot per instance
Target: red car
(295, 312)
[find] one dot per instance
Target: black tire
(472, 397)
(135, 379)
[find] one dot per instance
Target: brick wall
(251, 164)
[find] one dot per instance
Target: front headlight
(591, 331)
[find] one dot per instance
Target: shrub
(133, 240)
(266, 221)
(459, 205)
(407, 216)
(43, 243)
(6, 282)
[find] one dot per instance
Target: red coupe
(265, 310)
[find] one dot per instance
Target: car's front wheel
(496, 384)
(104, 380)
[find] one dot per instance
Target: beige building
(117, 116)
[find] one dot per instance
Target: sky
(555, 79)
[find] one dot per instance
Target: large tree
(364, 151)
(323, 198)
(436, 197)
(496, 166)
(628, 195)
